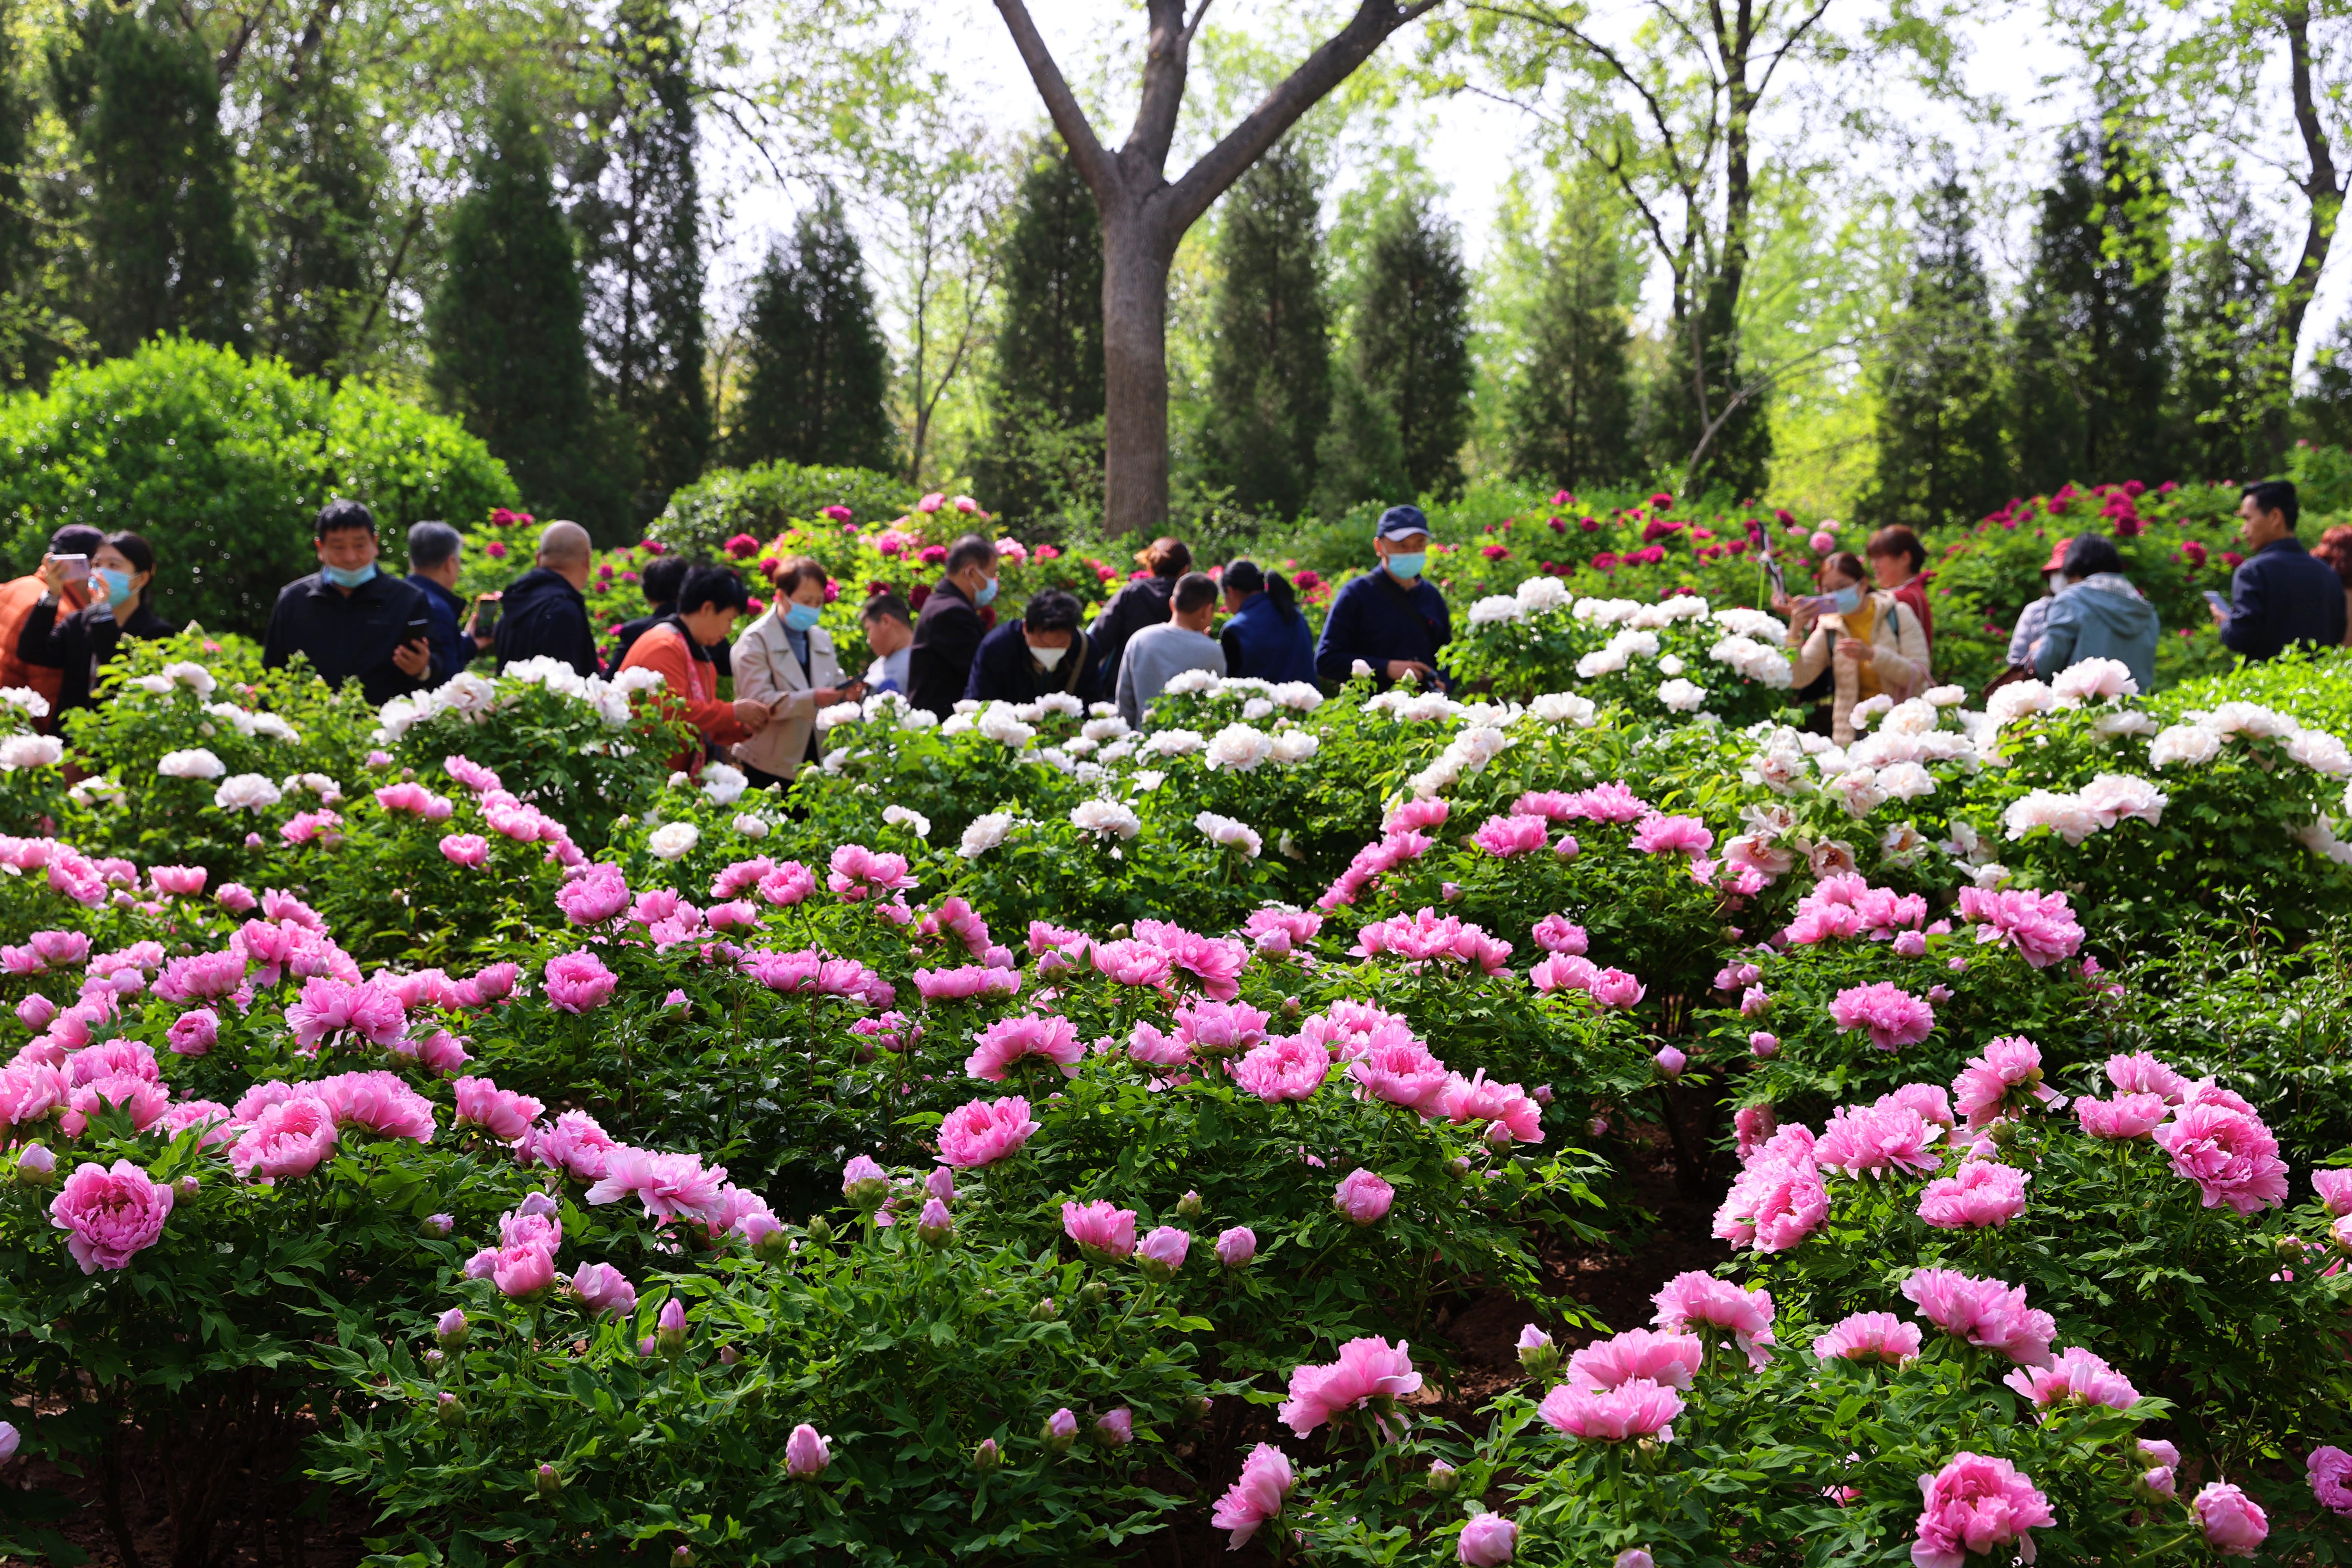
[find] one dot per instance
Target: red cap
(2057, 561)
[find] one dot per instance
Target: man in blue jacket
(2280, 594)
(1389, 620)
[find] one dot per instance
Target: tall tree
(1047, 375)
(2232, 388)
(638, 213)
(1569, 410)
(817, 383)
(1409, 340)
(2091, 357)
(320, 176)
(27, 328)
(161, 248)
(1270, 361)
(509, 354)
(1939, 452)
(1145, 215)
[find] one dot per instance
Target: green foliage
(510, 355)
(2229, 384)
(1409, 339)
(1270, 360)
(767, 497)
(1572, 403)
(219, 462)
(1048, 370)
(321, 186)
(816, 393)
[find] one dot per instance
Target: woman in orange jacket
(677, 648)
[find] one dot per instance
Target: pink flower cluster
(1847, 906)
(1376, 860)
(857, 873)
(1894, 1017)
(1570, 972)
(1369, 1371)
(1778, 1199)
(2042, 926)
(1428, 936)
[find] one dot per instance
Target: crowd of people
(1867, 631)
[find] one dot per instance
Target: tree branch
(1167, 53)
(1097, 167)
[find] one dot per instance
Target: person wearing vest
(1868, 640)
(16, 601)
(677, 648)
(1040, 653)
(1265, 637)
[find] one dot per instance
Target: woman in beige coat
(785, 660)
(1871, 643)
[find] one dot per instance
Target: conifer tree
(2230, 387)
(323, 171)
(1940, 457)
(819, 371)
(2091, 358)
(1408, 343)
(1730, 428)
(1570, 405)
(1047, 437)
(509, 356)
(639, 220)
(1270, 359)
(161, 246)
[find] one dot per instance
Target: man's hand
(2220, 613)
(750, 714)
(1856, 649)
(1401, 667)
(413, 660)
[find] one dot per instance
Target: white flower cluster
(1758, 661)
(985, 834)
(26, 700)
(1468, 752)
(2097, 807)
(1409, 706)
(1173, 743)
(724, 783)
(474, 698)
(1105, 819)
(180, 673)
(31, 751)
(1620, 651)
(251, 725)
(2200, 740)
(908, 818)
(1232, 835)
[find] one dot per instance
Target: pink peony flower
(1283, 1070)
(1236, 1246)
(1132, 963)
(2007, 1077)
(1007, 1041)
(1983, 1312)
(806, 1453)
(2077, 1377)
(523, 1272)
(1776, 1201)
(1399, 1070)
(1763, 1046)
(859, 873)
(1672, 836)
(2040, 926)
(1162, 1253)
(1498, 1105)
(504, 1115)
(578, 983)
(2335, 1190)
(110, 1215)
(1504, 837)
(1264, 1485)
(1976, 1195)
(1554, 933)
(186, 881)
(1671, 1061)
(1977, 1505)
(1117, 1427)
(669, 1187)
(2329, 1468)
(1635, 1408)
(377, 1103)
(1695, 1297)
(2228, 1153)
(329, 1007)
(288, 1139)
(1363, 1199)
(602, 1289)
(465, 849)
(576, 1144)
(981, 1132)
(1893, 1016)
(1615, 988)
(2234, 1523)
(2143, 1074)
(1869, 1336)
(1100, 1229)
(593, 897)
(1671, 1359)
(948, 985)
(1877, 1139)
(1486, 1541)
(2126, 1116)
(1369, 1369)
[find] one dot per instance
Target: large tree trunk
(1136, 260)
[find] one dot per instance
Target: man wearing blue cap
(1391, 620)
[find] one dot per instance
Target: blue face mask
(1846, 600)
(1408, 567)
(801, 617)
(987, 594)
(117, 584)
(348, 576)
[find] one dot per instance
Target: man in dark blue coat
(2281, 594)
(1390, 620)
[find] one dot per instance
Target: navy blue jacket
(347, 636)
(543, 612)
(1376, 618)
(2281, 595)
(1003, 670)
(453, 650)
(1259, 642)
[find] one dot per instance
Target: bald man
(545, 612)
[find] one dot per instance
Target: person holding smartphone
(787, 663)
(351, 621)
(1869, 640)
(17, 599)
(76, 642)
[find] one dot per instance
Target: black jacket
(2282, 593)
(544, 613)
(81, 642)
(453, 646)
(722, 654)
(1006, 671)
(1377, 619)
(1142, 602)
(947, 636)
(348, 637)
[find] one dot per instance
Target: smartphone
(77, 567)
(486, 614)
(419, 629)
(1772, 570)
(2220, 603)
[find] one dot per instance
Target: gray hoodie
(2102, 616)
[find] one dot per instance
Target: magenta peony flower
(1369, 1369)
(1236, 1246)
(1100, 1229)
(1504, 837)
(1976, 1195)
(1893, 1016)
(981, 1132)
(593, 897)
(1264, 1485)
(2234, 1523)
(1006, 1042)
(1283, 1070)
(2228, 1153)
(1363, 1198)
(288, 1139)
(1695, 1297)
(377, 1103)
(1487, 1539)
(1615, 988)
(2077, 1377)
(465, 849)
(504, 1115)
(604, 1292)
(195, 1031)
(2329, 1468)
(1983, 1312)
(806, 1454)
(2126, 1116)
(1973, 1506)
(1869, 1336)
(1668, 1359)
(110, 1215)
(2040, 926)
(578, 983)
(1634, 1409)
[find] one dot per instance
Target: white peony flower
(1232, 835)
(1682, 696)
(31, 751)
(1105, 819)
(2093, 680)
(2192, 744)
(1239, 747)
(1869, 708)
(1104, 729)
(635, 679)
(1146, 780)
(1079, 746)
(1295, 746)
(1539, 595)
(956, 724)
(723, 783)
(197, 763)
(673, 841)
(2249, 719)
(1001, 723)
(2123, 722)
(1563, 708)
(1255, 708)
(93, 792)
(985, 834)
(1495, 609)
(1298, 696)
(1947, 695)
(2318, 836)
(1742, 622)
(1190, 682)
(903, 816)
(839, 713)
(2321, 752)
(2015, 700)
(246, 792)
(2114, 796)
(2066, 815)
(153, 685)
(1907, 781)
(1858, 790)
(1174, 742)
(1671, 665)
(751, 825)
(26, 699)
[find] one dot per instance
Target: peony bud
(1236, 1246)
(1291, 1007)
(1536, 1352)
(669, 1327)
(1670, 1061)
(451, 1329)
(547, 1481)
(1117, 1429)
(10, 1439)
(1442, 1478)
(934, 1225)
(1541, 1094)
(447, 1411)
(439, 1225)
(1061, 1430)
(1045, 1311)
(728, 1355)
(941, 1184)
(35, 1166)
(1161, 1254)
(682, 1557)
(1095, 1293)
(1634, 1557)
(187, 1187)
(646, 1347)
(988, 1458)
(806, 1454)
(1189, 1205)
(819, 1231)
(1763, 1047)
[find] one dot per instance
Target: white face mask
(1047, 658)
